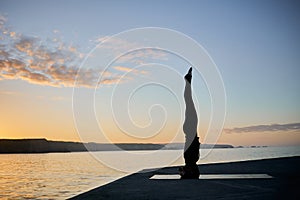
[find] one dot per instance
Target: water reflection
(62, 175)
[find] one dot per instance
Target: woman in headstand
(191, 147)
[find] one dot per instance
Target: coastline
(42, 145)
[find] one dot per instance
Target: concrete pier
(277, 178)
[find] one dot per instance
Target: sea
(64, 175)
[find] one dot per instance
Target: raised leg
(191, 147)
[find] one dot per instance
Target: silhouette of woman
(191, 147)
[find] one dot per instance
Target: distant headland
(47, 146)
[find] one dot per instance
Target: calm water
(62, 175)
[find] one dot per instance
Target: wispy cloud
(52, 62)
(265, 128)
(129, 70)
(35, 60)
(137, 54)
(60, 98)
(6, 92)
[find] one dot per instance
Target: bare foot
(188, 76)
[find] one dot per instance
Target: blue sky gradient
(255, 45)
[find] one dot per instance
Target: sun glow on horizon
(41, 57)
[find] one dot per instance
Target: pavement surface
(284, 184)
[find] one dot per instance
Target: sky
(46, 45)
